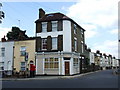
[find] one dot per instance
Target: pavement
(46, 77)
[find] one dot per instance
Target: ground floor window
(76, 65)
(51, 63)
(75, 62)
(22, 66)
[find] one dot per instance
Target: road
(101, 79)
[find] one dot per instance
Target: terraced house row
(58, 48)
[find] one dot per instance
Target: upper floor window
(23, 50)
(54, 26)
(44, 44)
(54, 43)
(82, 31)
(3, 51)
(75, 45)
(75, 29)
(44, 26)
(82, 46)
(75, 42)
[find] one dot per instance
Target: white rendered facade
(6, 56)
(64, 57)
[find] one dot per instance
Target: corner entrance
(67, 68)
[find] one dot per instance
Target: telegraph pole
(2, 14)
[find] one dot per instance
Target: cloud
(114, 31)
(100, 13)
(4, 31)
(108, 47)
(96, 17)
(90, 30)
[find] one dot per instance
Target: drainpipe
(13, 61)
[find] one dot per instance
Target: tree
(98, 52)
(16, 34)
(2, 14)
(89, 49)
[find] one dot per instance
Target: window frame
(76, 63)
(44, 42)
(54, 43)
(54, 26)
(44, 26)
(75, 43)
(75, 29)
(23, 51)
(82, 45)
(52, 63)
(22, 66)
(3, 51)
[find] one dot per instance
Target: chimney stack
(41, 13)
(3, 39)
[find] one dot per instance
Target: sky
(98, 17)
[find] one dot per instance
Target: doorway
(67, 68)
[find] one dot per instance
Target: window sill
(44, 49)
(53, 49)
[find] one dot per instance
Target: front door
(67, 69)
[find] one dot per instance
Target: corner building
(59, 44)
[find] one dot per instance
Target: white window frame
(44, 41)
(44, 26)
(75, 43)
(75, 64)
(82, 46)
(3, 51)
(75, 29)
(82, 31)
(54, 43)
(22, 66)
(22, 50)
(54, 26)
(48, 62)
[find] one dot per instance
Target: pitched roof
(52, 16)
(55, 16)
